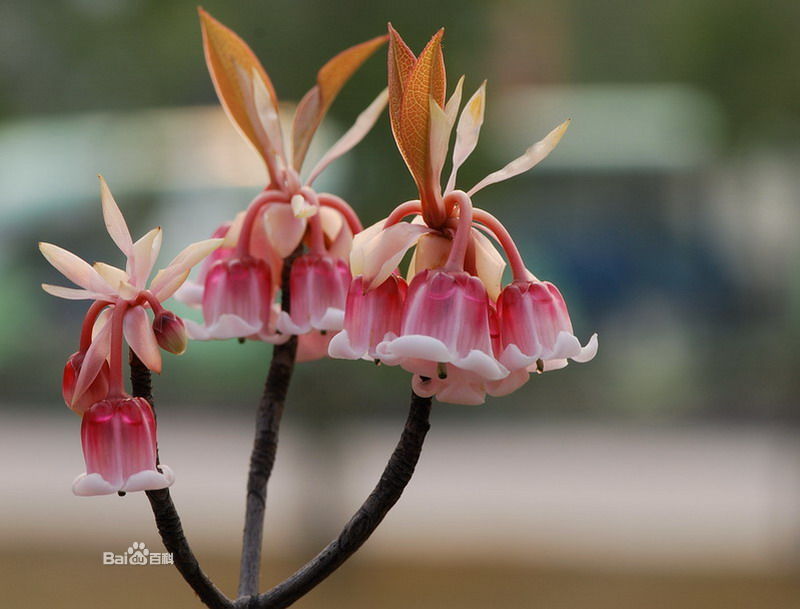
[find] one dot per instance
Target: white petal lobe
(115, 222)
(533, 155)
(467, 132)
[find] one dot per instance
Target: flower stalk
(265, 446)
(396, 476)
(168, 521)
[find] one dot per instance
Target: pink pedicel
(318, 286)
(371, 316)
(96, 391)
(119, 446)
(536, 330)
(237, 298)
(445, 321)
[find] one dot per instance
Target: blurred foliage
(75, 55)
(636, 253)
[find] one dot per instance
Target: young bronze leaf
(425, 82)
(401, 62)
(227, 57)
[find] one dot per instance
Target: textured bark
(265, 446)
(393, 481)
(167, 519)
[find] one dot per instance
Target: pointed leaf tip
(425, 81)
(531, 157)
(228, 57)
(114, 220)
(401, 61)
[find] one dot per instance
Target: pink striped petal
(139, 335)
(115, 222)
(533, 155)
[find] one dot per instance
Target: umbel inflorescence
(296, 269)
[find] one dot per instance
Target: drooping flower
(371, 316)
(289, 213)
(318, 286)
(459, 327)
(535, 328)
(237, 299)
(119, 446)
(93, 379)
(445, 321)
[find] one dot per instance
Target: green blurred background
(665, 472)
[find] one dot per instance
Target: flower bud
(96, 391)
(170, 332)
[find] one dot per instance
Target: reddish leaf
(228, 57)
(401, 63)
(425, 82)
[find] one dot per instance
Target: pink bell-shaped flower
(536, 330)
(119, 446)
(237, 299)
(445, 321)
(371, 316)
(319, 284)
(95, 391)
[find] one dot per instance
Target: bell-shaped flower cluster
(237, 288)
(453, 325)
(447, 318)
(119, 432)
